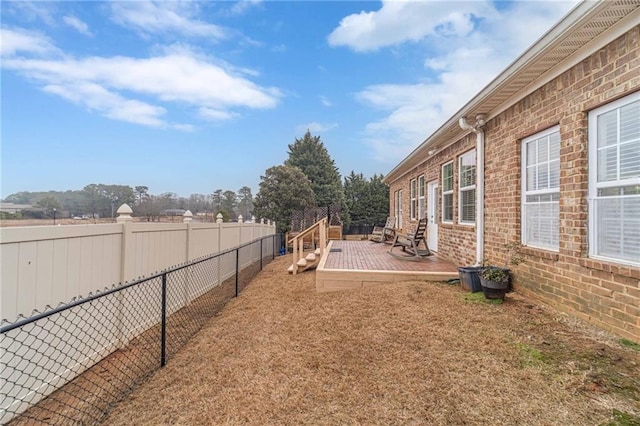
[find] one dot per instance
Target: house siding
(607, 294)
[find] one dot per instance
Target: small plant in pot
(495, 280)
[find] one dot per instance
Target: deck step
(310, 261)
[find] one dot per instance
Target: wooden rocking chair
(384, 234)
(411, 242)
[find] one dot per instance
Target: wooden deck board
(356, 264)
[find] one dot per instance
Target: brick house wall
(607, 294)
(455, 241)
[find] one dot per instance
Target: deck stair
(310, 261)
(314, 237)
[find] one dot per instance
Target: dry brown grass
(407, 353)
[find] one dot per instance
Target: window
(541, 189)
(414, 198)
(467, 187)
(421, 197)
(614, 180)
(447, 192)
(398, 208)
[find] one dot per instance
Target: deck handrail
(298, 241)
(308, 230)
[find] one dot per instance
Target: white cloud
(131, 89)
(111, 105)
(32, 10)
(151, 17)
(242, 6)
(315, 127)
(77, 24)
(216, 114)
(22, 41)
(464, 56)
(326, 102)
(401, 21)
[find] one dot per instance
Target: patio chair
(410, 243)
(384, 233)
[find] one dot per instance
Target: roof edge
(580, 12)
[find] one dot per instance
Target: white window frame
(413, 195)
(398, 208)
(468, 188)
(421, 197)
(596, 233)
(550, 192)
(448, 192)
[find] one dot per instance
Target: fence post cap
(124, 209)
(187, 216)
(219, 218)
(262, 221)
(240, 218)
(124, 213)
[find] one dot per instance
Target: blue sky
(189, 97)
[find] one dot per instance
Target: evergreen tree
(142, 193)
(310, 155)
(283, 190)
(356, 191)
(379, 201)
(245, 204)
(216, 201)
(367, 200)
(229, 203)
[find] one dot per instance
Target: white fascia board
(575, 17)
(619, 29)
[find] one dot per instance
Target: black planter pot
(496, 289)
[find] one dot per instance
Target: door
(432, 215)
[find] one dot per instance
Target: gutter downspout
(478, 129)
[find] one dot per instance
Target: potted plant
(495, 280)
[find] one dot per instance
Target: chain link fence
(72, 364)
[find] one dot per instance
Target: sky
(193, 96)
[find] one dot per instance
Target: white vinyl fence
(42, 267)
(47, 265)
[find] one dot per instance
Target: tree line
(308, 178)
(102, 201)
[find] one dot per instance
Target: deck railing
(297, 242)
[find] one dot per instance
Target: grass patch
(530, 355)
(478, 297)
(621, 418)
(628, 343)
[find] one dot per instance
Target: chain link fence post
(163, 324)
(237, 269)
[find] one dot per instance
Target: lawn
(404, 353)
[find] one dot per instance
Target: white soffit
(588, 27)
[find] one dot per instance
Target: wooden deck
(355, 264)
